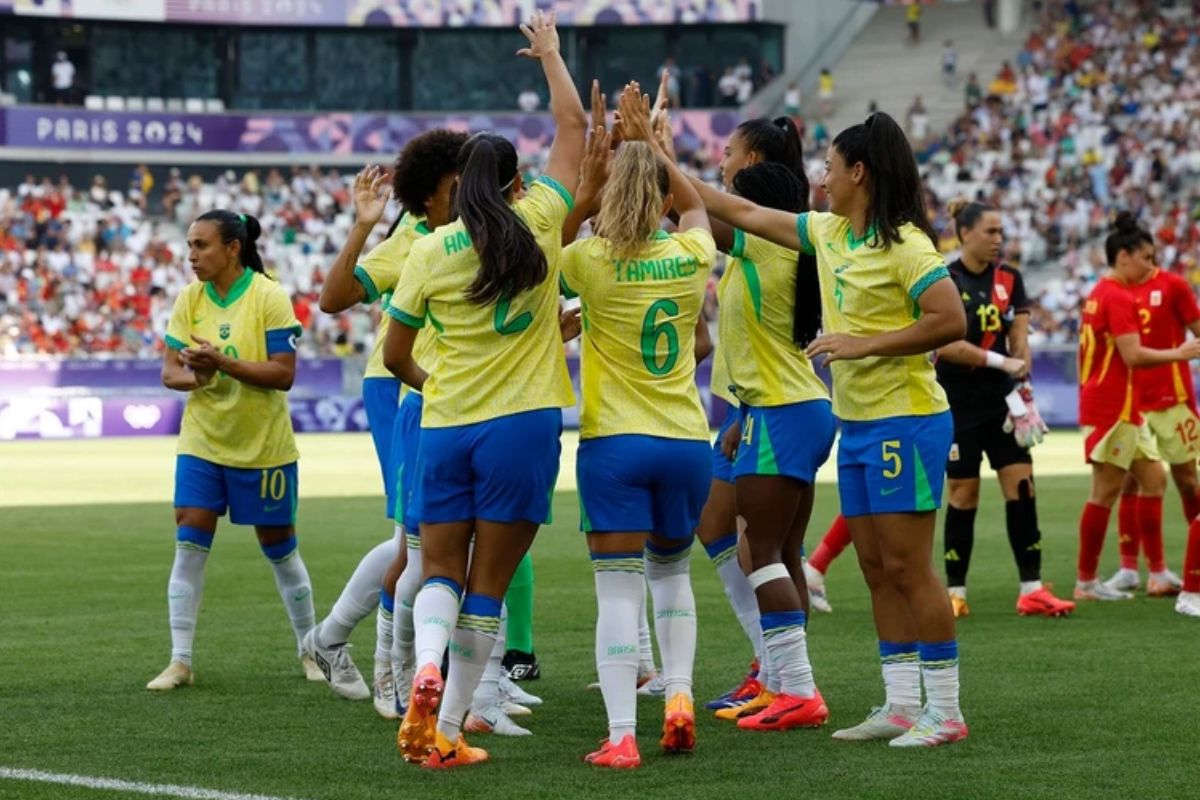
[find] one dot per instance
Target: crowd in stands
(1099, 111)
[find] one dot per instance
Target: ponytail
(897, 195)
(242, 228)
(966, 214)
(774, 185)
(510, 260)
(776, 140)
(1125, 236)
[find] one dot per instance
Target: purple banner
(395, 13)
(88, 417)
(343, 134)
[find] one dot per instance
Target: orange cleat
(1043, 604)
(751, 706)
(448, 755)
(418, 731)
(623, 755)
(786, 712)
(679, 725)
(959, 606)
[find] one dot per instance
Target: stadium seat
(193, 105)
(135, 103)
(93, 102)
(174, 104)
(155, 104)
(214, 105)
(114, 103)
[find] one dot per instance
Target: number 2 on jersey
(652, 332)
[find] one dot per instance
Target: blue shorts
(722, 467)
(380, 397)
(499, 470)
(253, 496)
(631, 483)
(893, 465)
(792, 440)
(406, 439)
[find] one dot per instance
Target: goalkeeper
(985, 376)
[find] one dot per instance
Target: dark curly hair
(422, 164)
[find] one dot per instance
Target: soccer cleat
(1095, 590)
(175, 675)
(515, 709)
(519, 666)
(679, 725)
(931, 729)
(493, 720)
(385, 691)
(751, 706)
(337, 668)
(788, 711)
(312, 671)
(1188, 604)
(402, 678)
(884, 722)
(1124, 580)
(1043, 603)
(958, 604)
(817, 599)
(418, 732)
(447, 755)
(515, 694)
(655, 686)
(748, 689)
(1163, 584)
(623, 755)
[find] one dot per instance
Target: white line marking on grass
(161, 789)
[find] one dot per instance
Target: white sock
(768, 676)
(384, 624)
(359, 597)
(487, 694)
(184, 589)
(435, 613)
(901, 673)
(786, 643)
(667, 572)
(471, 646)
(407, 586)
(939, 671)
(293, 583)
(1029, 587)
(645, 643)
(620, 597)
(723, 553)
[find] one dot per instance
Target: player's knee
(1184, 476)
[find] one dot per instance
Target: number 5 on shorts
(274, 484)
(892, 456)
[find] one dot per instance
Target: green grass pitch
(1100, 705)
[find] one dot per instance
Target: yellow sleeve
(278, 312)
(920, 265)
(805, 224)
(409, 303)
(546, 205)
(379, 269)
(576, 259)
(754, 248)
(179, 329)
(699, 243)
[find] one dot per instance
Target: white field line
(136, 787)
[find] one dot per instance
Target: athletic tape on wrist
(764, 575)
(993, 359)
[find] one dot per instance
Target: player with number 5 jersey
(231, 344)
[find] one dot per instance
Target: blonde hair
(631, 210)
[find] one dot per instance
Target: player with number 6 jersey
(231, 343)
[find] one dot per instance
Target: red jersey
(1105, 383)
(1166, 306)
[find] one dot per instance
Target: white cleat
(385, 691)
(655, 687)
(817, 599)
(1163, 584)
(402, 678)
(1095, 590)
(493, 720)
(1188, 604)
(515, 709)
(884, 722)
(932, 728)
(175, 675)
(512, 692)
(312, 672)
(1124, 580)
(337, 668)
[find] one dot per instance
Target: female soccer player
(643, 464)
(422, 178)
(489, 451)
(887, 301)
(231, 345)
(1110, 351)
(978, 373)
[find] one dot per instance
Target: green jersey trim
(173, 343)
(406, 319)
(368, 285)
(928, 279)
(238, 289)
(806, 245)
(739, 243)
(558, 187)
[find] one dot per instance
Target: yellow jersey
(719, 383)
(757, 297)
(867, 290)
(638, 362)
(494, 360)
(229, 422)
(379, 272)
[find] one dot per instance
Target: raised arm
(738, 212)
(722, 233)
(342, 289)
(570, 121)
(593, 172)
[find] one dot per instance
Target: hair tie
(508, 185)
(242, 217)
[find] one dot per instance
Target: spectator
(745, 90)
(917, 123)
(669, 69)
(949, 64)
(973, 94)
(791, 100)
(825, 91)
(989, 14)
(912, 17)
(62, 76)
(529, 100)
(728, 87)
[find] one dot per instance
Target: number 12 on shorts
(892, 464)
